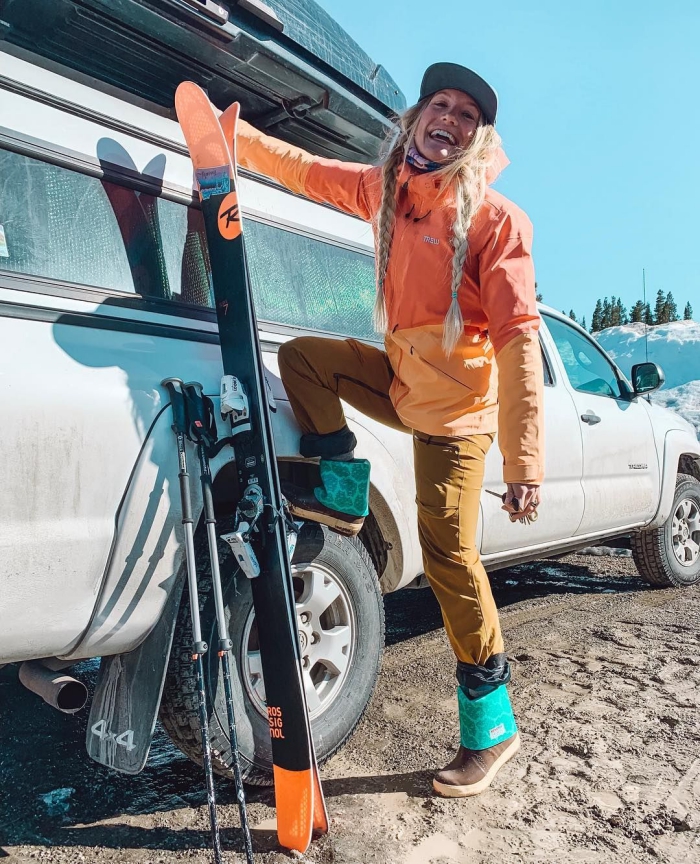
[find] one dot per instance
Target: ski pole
(199, 647)
(203, 430)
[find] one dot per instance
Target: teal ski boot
(342, 499)
(489, 738)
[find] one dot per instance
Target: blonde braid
(384, 220)
(467, 176)
(385, 232)
(453, 328)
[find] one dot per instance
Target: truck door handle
(590, 418)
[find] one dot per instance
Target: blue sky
(600, 117)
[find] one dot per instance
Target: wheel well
(304, 474)
(689, 464)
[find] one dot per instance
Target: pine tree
(637, 312)
(572, 315)
(688, 312)
(616, 312)
(670, 308)
(597, 320)
(583, 323)
(622, 310)
(660, 308)
(538, 295)
(648, 316)
(607, 314)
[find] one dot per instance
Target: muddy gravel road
(606, 687)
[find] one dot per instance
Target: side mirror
(647, 377)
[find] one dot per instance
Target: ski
(259, 540)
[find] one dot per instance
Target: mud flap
(127, 696)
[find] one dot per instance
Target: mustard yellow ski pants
(318, 373)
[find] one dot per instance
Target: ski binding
(234, 404)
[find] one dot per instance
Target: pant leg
(318, 372)
(449, 476)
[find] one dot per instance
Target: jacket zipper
(441, 371)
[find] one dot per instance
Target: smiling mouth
(443, 136)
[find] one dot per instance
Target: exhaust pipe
(56, 689)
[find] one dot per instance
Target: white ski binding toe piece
(242, 550)
(234, 404)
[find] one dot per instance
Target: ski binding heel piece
(234, 404)
(242, 550)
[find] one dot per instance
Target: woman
(456, 302)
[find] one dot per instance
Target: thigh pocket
(447, 469)
(438, 473)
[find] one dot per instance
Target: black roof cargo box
(295, 72)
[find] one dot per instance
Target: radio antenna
(646, 325)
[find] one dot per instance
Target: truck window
(71, 227)
(74, 228)
(587, 367)
(304, 282)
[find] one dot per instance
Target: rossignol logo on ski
(229, 217)
(274, 717)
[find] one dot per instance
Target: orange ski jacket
(433, 394)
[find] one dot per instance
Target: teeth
(446, 136)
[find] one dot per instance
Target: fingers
(521, 502)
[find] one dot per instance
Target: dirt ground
(606, 687)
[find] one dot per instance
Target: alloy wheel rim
(685, 532)
(327, 629)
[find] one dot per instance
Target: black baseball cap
(452, 76)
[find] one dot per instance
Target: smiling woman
(455, 297)
(447, 125)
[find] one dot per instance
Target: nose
(448, 117)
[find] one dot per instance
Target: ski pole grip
(177, 401)
(195, 397)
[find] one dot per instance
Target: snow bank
(685, 400)
(676, 348)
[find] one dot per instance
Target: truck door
(562, 496)
(620, 467)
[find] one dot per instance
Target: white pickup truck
(104, 292)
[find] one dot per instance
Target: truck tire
(335, 580)
(669, 556)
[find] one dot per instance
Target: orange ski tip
(229, 122)
(203, 134)
(294, 800)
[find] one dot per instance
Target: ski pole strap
(177, 402)
(200, 408)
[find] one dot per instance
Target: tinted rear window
(70, 227)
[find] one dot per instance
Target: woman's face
(447, 125)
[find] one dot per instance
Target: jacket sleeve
(507, 281)
(328, 181)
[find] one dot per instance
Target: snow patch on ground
(676, 349)
(57, 802)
